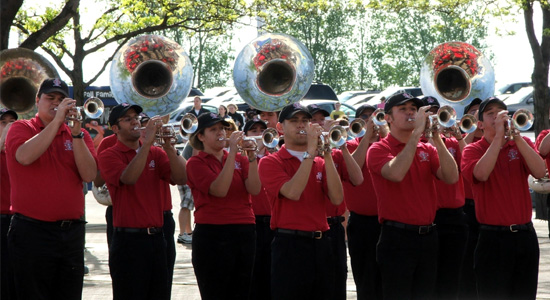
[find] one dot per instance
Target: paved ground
(97, 284)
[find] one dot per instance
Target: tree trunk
(9, 11)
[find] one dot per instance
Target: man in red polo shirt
(403, 171)
(363, 228)
(542, 144)
(51, 160)
(507, 253)
(137, 175)
(296, 180)
(7, 117)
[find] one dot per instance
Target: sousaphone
(456, 73)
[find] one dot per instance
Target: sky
(512, 57)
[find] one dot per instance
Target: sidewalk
(97, 284)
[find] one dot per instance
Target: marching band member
(137, 174)
(349, 171)
(542, 144)
(363, 228)
(452, 228)
(507, 252)
(7, 117)
(403, 172)
(261, 276)
(51, 159)
(224, 237)
(296, 180)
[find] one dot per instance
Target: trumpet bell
(337, 136)
(270, 138)
(153, 72)
(357, 128)
(378, 117)
(272, 71)
(446, 116)
(523, 119)
(189, 123)
(455, 73)
(468, 124)
(93, 107)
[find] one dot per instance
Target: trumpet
(522, 120)
(444, 119)
(336, 137)
(468, 123)
(355, 129)
(270, 139)
(167, 131)
(378, 118)
(93, 108)
(189, 123)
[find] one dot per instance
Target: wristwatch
(307, 155)
(79, 136)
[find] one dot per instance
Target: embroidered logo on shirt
(152, 164)
(237, 165)
(423, 156)
(319, 176)
(68, 145)
(513, 154)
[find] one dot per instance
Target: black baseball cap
(208, 119)
(432, 101)
(120, 110)
(251, 123)
(314, 108)
(362, 109)
(5, 111)
(51, 85)
(290, 110)
(400, 99)
(483, 106)
(476, 101)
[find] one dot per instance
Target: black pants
(452, 230)
(467, 288)
(339, 259)
(507, 264)
(363, 234)
(169, 228)
(261, 276)
(408, 263)
(223, 259)
(47, 259)
(138, 266)
(7, 287)
(301, 268)
(109, 221)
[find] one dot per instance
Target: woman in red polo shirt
(224, 235)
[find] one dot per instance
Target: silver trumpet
(167, 131)
(270, 139)
(378, 118)
(92, 108)
(336, 137)
(444, 120)
(522, 120)
(189, 123)
(468, 123)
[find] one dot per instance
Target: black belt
(308, 234)
(420, 229)
(167, 213)
(335, 220)
(5, 216)
(60, 223)
(469, 202)
(511, 228)
(149, 230)
(263, 219)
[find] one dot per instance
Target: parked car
(508, 89)
(360, 100)
(415, 91)
(219, 91)
(349, 95)
(523, 98)
(177, 115)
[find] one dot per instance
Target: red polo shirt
(331, 209)
(235, 207)
(468, 193)
(49, 189)
(504, 198)
(541, 136)
(5, 188)
(361, 199)
(260, 202)
(413, 200)
(308, 213)
(106, 143)
(451, 195)
(139, 205)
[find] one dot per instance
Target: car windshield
(519, 96)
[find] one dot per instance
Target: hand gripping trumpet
(378, 118)
(335, 138)
(93, 109)
(443, 120)
(270, 139)
(522, 120)
(166, 131)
